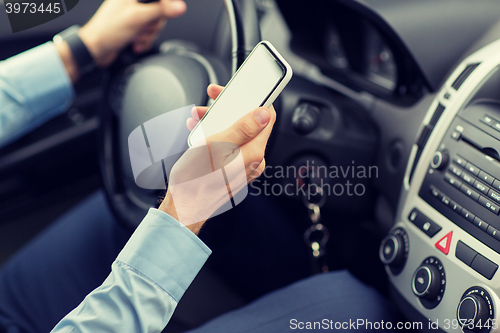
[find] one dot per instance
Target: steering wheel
(137, 89)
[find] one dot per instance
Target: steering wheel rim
(128, 202)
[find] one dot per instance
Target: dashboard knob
(440, 159)
(392, 250)
(426, 282)
(473, 311)
(305, 118)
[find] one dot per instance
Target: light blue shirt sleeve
(147, 280)
(34, 87)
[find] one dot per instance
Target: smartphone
(258, 81)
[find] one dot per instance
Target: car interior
(393, 111)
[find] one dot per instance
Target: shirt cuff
(166, 252)
(40, 81)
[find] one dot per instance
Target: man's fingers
(152, 27)
(142, 46)
(146, 38)
(214, 90)
(245, 129)
(149, 12)
(191, 123)
(173, 8)
(198, 112)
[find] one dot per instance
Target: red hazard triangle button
(444, 243)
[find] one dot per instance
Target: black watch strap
(80, 53)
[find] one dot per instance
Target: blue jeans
(52, 274)
(334, 301)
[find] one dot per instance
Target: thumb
(146, 13)
(168, 9)
(246, 128)
(173, 8)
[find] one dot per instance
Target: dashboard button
(456, 136)
(460, 161)
(484, 266)
(465, 253)
(481, 187)
(489, 205)
(496, 184)
(488, 179)
(392, 250)
(469, 192)
(452, 180)
(421, 281)
(440, 159)
(467, 215)
(429, 282)
(413, 215)
(434, 192)
(426, 282)
(493, 232)
(455, 206)
(467, 178)
(429, 227)
(494, 195)
(455, 170)
(496, 125)
(472, 169)
(474, 311)
(445, 200)
(480, 223)
(444, 243)
(487, 120)
(389, 249)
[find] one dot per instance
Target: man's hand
(118, 23)
(193, 195)
(198, 112)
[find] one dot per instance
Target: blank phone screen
(248, 89)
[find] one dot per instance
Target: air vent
(424, 136)
(437, 114)
(462, 77)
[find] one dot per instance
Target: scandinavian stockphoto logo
(26, 14)
(204, 180)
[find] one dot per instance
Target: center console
(443, 253)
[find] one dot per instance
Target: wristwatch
(80, 53)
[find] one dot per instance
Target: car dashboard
(355, 51)
(442, 255)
